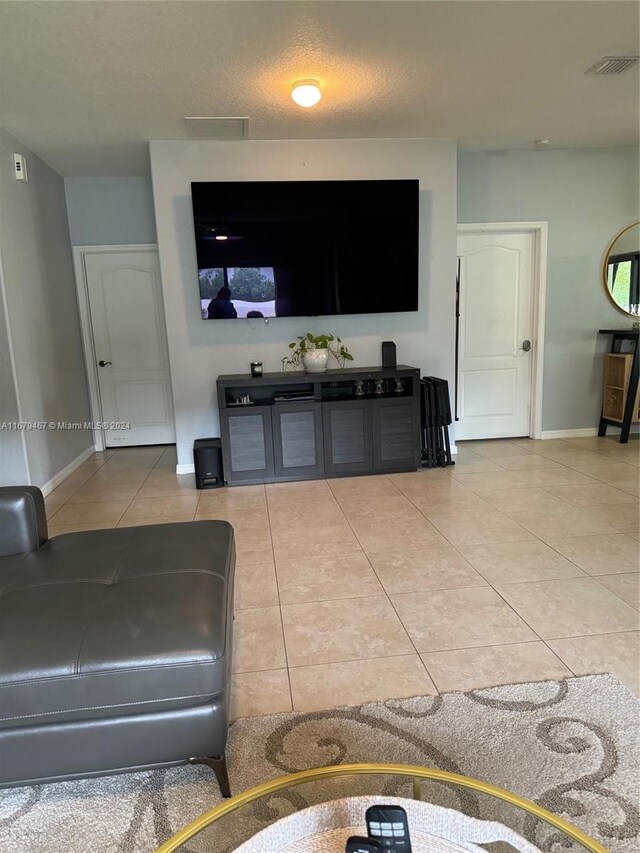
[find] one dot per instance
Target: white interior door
(130, 343)
(495, 341)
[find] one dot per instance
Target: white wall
(587, 196)
(110, 211)
(199, 350)
(42, 312)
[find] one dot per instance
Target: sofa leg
(218, 763)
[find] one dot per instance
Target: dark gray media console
(305, 426)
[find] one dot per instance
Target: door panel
(496, 293)
(347, 437)
(489, 392)
(396, 434)
(127, 321)
(132, 333)
(491, 301)
(142, 402)
(297, 439)
(248, 448)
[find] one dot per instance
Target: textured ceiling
(86, 84)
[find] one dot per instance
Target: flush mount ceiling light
(540, 143)
(306, 93)
(221, 237)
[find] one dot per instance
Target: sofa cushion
(23, 519)
(116, 621)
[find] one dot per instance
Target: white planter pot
(315, 360)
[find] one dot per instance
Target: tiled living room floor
(519, 563)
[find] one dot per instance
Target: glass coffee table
(231, 825)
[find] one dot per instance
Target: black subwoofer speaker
(388, 354)
(207, 459)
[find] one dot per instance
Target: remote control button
(374, 824)
(387, 833)
(376, 831)
(398, 826)
(398, 833)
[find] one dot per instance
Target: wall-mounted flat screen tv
(305, 248)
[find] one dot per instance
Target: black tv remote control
(359, 844)
(389, 826)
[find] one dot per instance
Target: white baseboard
(577, 433)
(568, 433)
(454, 449)
(68, 469)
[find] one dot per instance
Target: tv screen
(305, 248)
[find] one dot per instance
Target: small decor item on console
(399, 389)
(256, 368)
(314, 351)
(388, 354)
(359, 388)
(242, 400)
(379, 389)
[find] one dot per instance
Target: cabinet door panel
(347, 437)
(297, 439)
(396, 434)
(248, 449)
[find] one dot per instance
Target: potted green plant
(314, 351)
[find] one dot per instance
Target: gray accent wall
(13, 453)
(42, 313)
(586, 196)
(110, 211)
(201, 350)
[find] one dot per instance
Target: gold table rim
(418, 773)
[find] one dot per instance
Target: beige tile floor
(519, 563)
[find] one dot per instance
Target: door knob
(526, 345)
(103, 363)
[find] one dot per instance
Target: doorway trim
(540, 232)
(86, 329)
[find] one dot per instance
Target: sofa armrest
(23, 520)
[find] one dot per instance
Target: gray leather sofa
(115, 646)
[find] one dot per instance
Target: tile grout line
(404, 628)
(513, 609)
(275, 571)
(539, 639)
(613, 575)
(491, 586)
(117, 522)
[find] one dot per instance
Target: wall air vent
(613, 65)
(206, 127)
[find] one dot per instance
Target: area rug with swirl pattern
(572, 746)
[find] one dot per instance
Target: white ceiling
(86, 84)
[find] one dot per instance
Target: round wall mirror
(620, 270)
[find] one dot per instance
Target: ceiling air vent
(217, 128)
(613, 65)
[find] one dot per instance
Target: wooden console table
(620, 393)
(305, 426)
